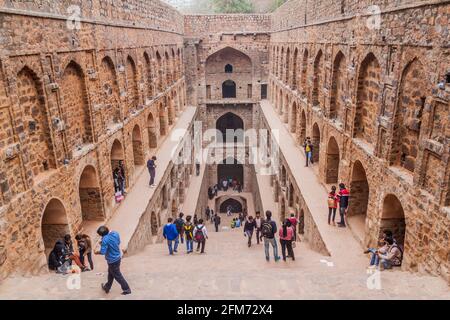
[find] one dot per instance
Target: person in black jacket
(249, 227)
(57, 256)
(269, 230)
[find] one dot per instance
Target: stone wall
(336, 73)
(77, 97)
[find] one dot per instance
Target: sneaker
(104, 288)
(267, 259)
(277, 259)
(124, 293)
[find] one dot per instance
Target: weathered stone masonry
(73, 104)
(369, 99)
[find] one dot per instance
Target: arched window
(228, 68)
(229, 89)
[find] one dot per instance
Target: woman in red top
(332, 204)
(286, 237)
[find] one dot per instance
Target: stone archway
(230, 168)
(332, 165)
(236, 206)
(301, 222)
(359, 200)
(302, 128)
(151, 129)
(393, 218)
(54, 225)
(174, 209)
(154, 224)
(233, 124)
(293, 118)
(117, 161)
(229, 89)
(91, 198)
(316, 143)
(138, 152)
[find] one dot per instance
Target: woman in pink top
(286, 237)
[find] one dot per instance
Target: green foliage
(233, 6)
(277, 3)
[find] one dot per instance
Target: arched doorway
(229, 89)
(152, 139)
(154, 224)
(54, 225)
(230, 169)
(359, 199)
(138, 152)
(91, 199)
(174, 209)
(316, 143)
(282, 209)
(234, 124)
(393, 218)
(301, 222)
(332, 166)
(236, 206)
(117, 162)
(162, 120)
(302, 129)
(293, 117)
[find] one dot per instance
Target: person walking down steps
(110, 248)
(249, 228)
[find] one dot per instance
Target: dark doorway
(236, 206)
(229, 89)
(228, 68)
(230, 169)
(231, 122)
(264, 91)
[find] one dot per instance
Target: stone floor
(231, 270)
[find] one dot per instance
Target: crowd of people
(64, 258)
(224, 185)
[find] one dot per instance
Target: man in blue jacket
(170, 233)
(110, 248)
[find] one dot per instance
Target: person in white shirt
(200, 236)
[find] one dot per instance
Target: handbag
(293, 244)
(331, 203)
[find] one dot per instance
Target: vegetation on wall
(233, 6)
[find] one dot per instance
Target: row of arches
(361, 121)
(48, 130)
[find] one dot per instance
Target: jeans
(115, 274)
(249, 236)
(374, 258)
(342, 211)
(189, 245)
(202, 244)
(386, 263)
(171, 248)
(273, 242)
(287, 244)
(197, 167)
(308, 158)
(217, 227)
(152, 176)
(258, 235)
(331, 212)
(89, 256)
(181, 237)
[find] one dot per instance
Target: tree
(233, 6)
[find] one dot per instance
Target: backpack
(267, 229)
(199, 236)
(179, 223)
(188, 228)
